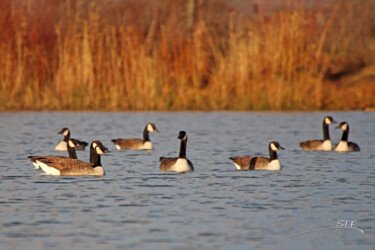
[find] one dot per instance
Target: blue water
(136, 206)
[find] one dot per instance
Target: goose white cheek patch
(327, 120)
(273, 147)
(150, 128)
(99, 151)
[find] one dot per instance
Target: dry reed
(176, 55)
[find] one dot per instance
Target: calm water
(136, 206)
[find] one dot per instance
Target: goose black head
(151, 127)
(64, 131)
(99, 147)
(182, 135)
(329, 120)
(343, 125)
(274, 145)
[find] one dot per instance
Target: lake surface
(215, 207)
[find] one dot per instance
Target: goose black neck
(71, 151)
(273, 154)
(325, 131)
(94, 158)
(345, 134)
(182, 149)
(145, 135)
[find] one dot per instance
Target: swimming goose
(322, 145)
(77, 167)
(344, 145)
(260, 163)
(180, 163)
(78, 145)
(55, 158)
(137, 144)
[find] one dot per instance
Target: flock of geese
(67, 166)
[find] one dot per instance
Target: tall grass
(174, 54)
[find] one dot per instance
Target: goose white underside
(48, 170)
(342, 146)
(238, 167)
(36, 165)
(181, 165)
(325, 146)
(61, 146)
(273, 165)
(147, 145)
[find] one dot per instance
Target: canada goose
(323, 145)
(180, 163)
(78, 145)
(137, 144)
(55, 158)
(344, 145)
(77, 167)
(260, 163)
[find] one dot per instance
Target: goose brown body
(137, 144)
(75, 166)
(260, 163)
(344, 145)
(168, 163)
(317, 145)
(320, 145)
(251, 162)
(180, 163)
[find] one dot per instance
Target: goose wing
(353, 146)
(311, 145)
(190, 164)
(79, 145)
(72, 167)
(242, 162)
(167, 163)
(128, 143)
(50, 158)
(258, 163)
(251, 162)
(83, 168)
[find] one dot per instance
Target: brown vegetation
(185, 55)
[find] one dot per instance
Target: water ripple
(215, 207)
